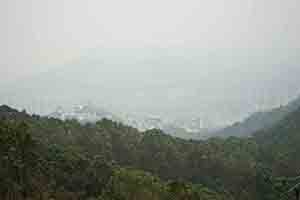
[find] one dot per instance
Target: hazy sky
(194, 52)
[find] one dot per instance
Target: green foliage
(17, 158)
(45, 158)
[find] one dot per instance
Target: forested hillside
(259, 120)
(44, 158)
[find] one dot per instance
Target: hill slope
(258, 121)
(227, 166)
(51, 159)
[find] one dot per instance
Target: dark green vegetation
(43, 158)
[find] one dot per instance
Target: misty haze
(149, 100)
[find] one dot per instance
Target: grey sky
(210, 55)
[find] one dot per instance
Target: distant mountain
(258, 121)
(280, 144)
(285, 132)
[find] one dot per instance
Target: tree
(18, 159)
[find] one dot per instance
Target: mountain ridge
(259, 121)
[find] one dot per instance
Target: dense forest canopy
(44, 158)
